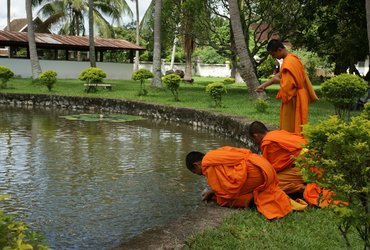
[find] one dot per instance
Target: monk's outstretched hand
(207, 196)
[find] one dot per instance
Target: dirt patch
(174, 235)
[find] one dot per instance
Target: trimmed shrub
(5, 75)
(228, 81)
(340, 151)
(343, 91)
(92, 75)
(172, 82)
(141, 75)
(261, 105)
(48, 78)
(216, 90)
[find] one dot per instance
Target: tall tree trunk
(8, 22)
(35, 65)
(91, 35)
(137, 58)
(245, 66)
(189, 46)
(8, 15)
(173, 53)
(368, 23)
(157, 62)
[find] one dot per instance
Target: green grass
(236, 102)
(312, 229)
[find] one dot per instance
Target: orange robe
(295, 92)
(237, 175)
(280, 147)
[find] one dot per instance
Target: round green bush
(261, 105)
(227, 81)
(5, 75)
(172, 82)
(216, 90)
(343, 91)
(141, 74)
(92, 75)
(48, 78)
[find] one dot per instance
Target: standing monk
(281, 148)
(296, 90)
(236, 176)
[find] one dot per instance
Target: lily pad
(102, 117)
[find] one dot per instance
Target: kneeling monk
(281, 148)
(237, 175)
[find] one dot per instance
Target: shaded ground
(174, 235)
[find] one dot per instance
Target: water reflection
(88, 185)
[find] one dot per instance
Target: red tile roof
(52, 41)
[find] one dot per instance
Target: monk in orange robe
(280, 148)
(236, 176)
(296, 90)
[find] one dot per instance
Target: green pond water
(90, 185)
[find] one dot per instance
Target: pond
(90, 185)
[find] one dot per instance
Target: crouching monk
(236, 176)
(281, 148)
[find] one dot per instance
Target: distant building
(21, 25)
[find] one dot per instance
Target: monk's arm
(274, 79)
(208, 195)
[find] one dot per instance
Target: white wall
(115, 71)
(68, 69)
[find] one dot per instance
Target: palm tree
(71, 14)
(157, 62)
(136, 64)
(245, 66)
(8, 15)
(35, 65)
(91, 35)
(368, 22)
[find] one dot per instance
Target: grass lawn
(312, 229)
(236, 101)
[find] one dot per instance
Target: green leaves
(172, 82)
(5, 75)
(48, 78)
(340, 150)
(92, 75)
(142, 75)
(343, 91)
(216, 90)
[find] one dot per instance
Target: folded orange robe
(237, 175)
(296, 92)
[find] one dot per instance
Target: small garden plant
(340, 150)
(172, 82)
(48, 78)
(343, 91)
(5, 75)
(261, 105)
(228, 81)
(216, 90)
(16, 235)
(92, 75)
(141, 75)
